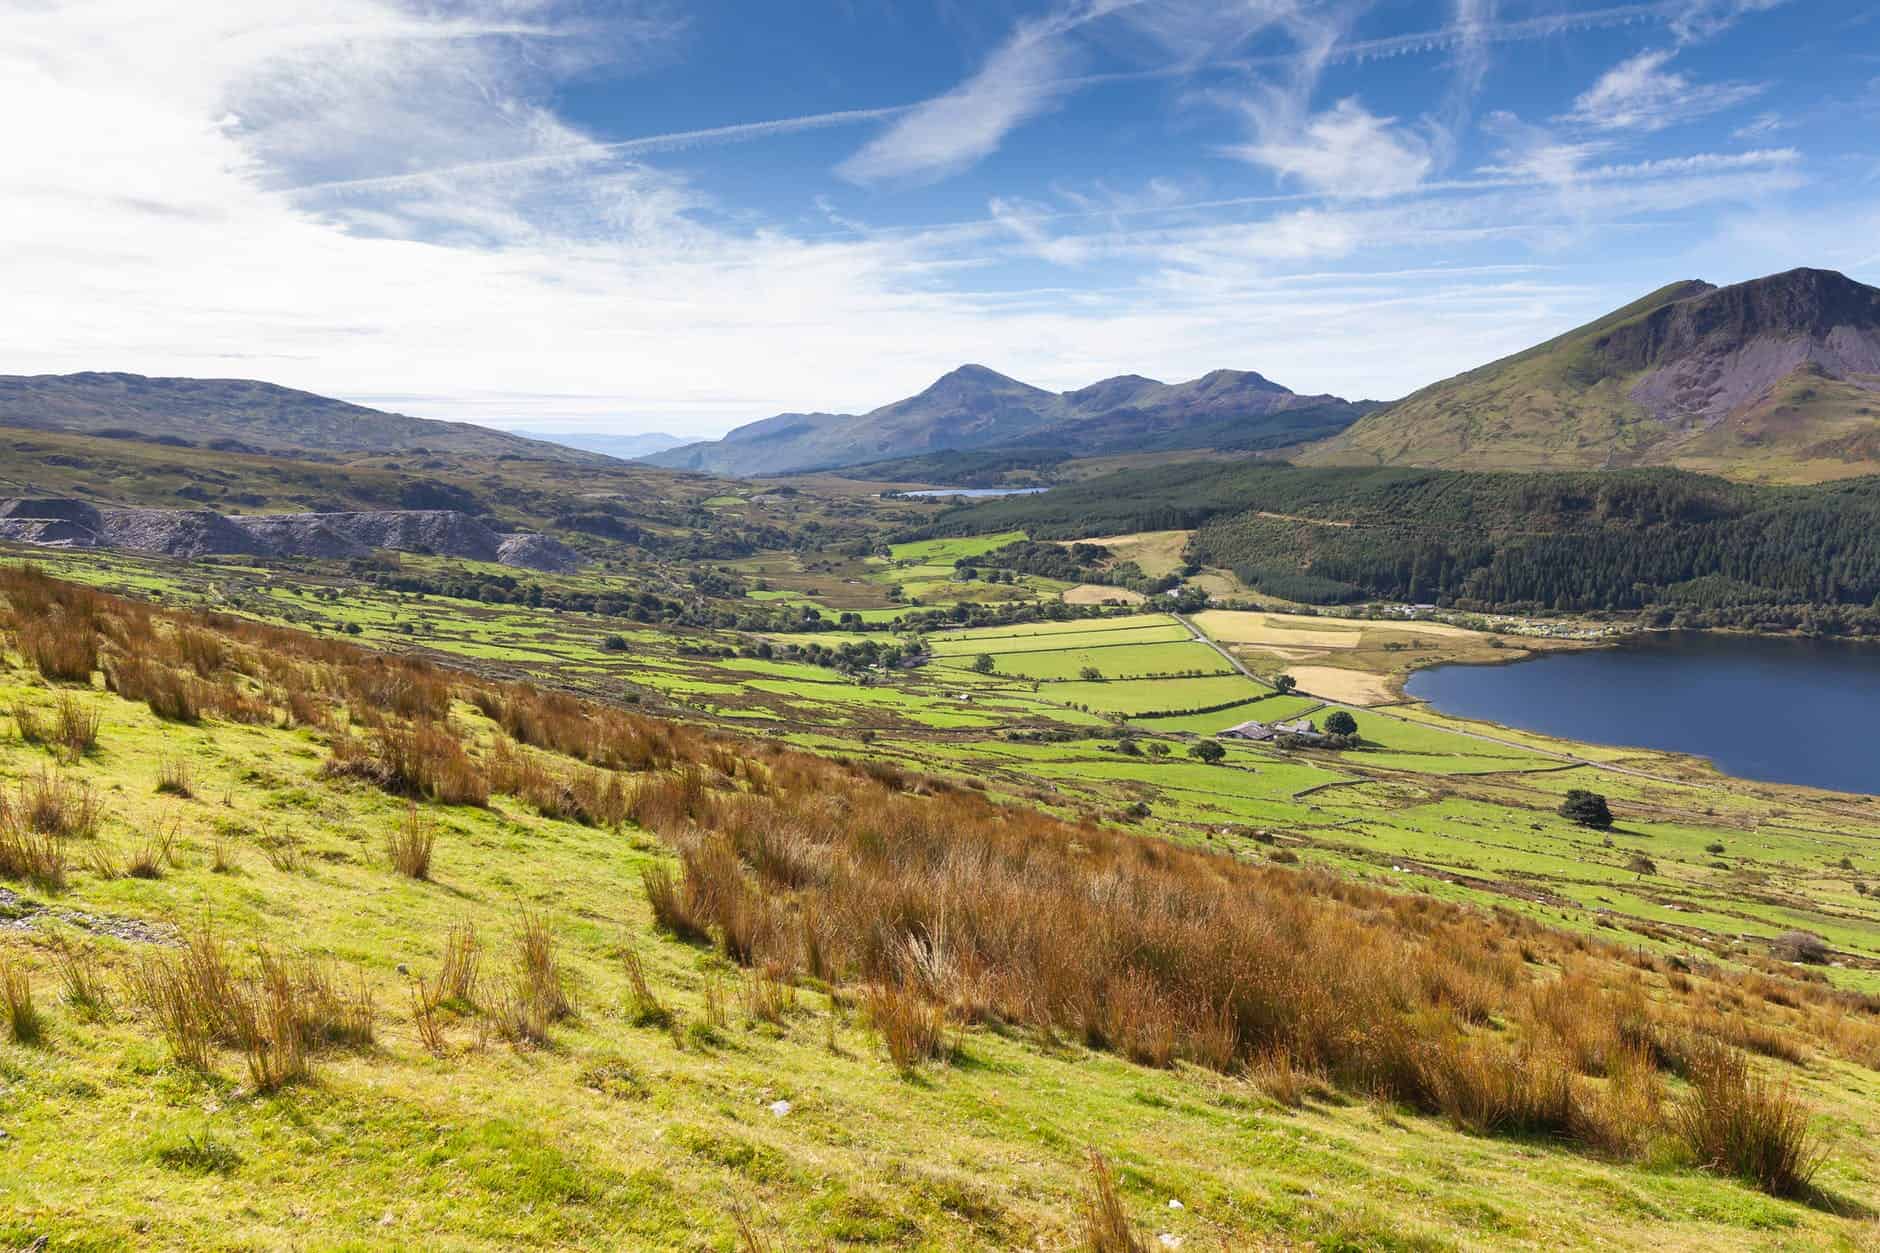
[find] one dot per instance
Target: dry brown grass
(278, 1015)
(75, 726)
(410, 844)
(424, 761)
(913, 1030)
(62, 649)
(1107, 1228)
(1736, 1122)
(537, 995)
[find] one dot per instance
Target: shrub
(1735, 1122)
(1800, 946)
(615, 643)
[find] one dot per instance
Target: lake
(1776, 709)
(971, 492)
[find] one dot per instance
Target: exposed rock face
(538, 552)
(1711, 356)
(200, 533)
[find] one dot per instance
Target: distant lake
(1777, 709)
(974, 492)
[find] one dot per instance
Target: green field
(1116, 661)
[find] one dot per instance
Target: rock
(1174, 1204)
(1169, 1240)
(780, 1108)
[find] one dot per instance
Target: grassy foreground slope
(310, 945)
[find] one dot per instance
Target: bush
(1800, 946)
(615, 643)
(1589, 809)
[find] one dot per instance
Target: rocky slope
(243, 415)
(1777, 378)
(977, 408)
(200, 533)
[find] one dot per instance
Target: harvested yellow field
(1352, 687)
(1097, 594)
(1157, 552)
(1234, 626)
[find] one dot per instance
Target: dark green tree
(1589, 809)
(1340, 722)
(1208, 751)
(983, 663)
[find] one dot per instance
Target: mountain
(1775, 379)
(242, 415)
(977, 408)
(625, 447)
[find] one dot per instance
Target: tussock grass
(1107, 1228)
(536, 996)
(277, 1014)
(1736, 1122)
(82, 984)
(175, 778)
(25, 1024)
(410, 844)
(75, 726)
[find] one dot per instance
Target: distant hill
(977, 408)
(242, 415)
(1775, 379)
(625, 447)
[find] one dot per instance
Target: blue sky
(644, 215)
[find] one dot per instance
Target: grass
(603, 1132)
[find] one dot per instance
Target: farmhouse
(1259, 732)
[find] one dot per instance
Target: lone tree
(1284, 683)
(1340, 722)
(1589, 809)
(983, 663)
(1208, 751)
(1090, 674)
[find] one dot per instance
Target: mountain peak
(1774, 377)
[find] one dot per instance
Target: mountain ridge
(974, 407)
(1774, 378)
(246, 415)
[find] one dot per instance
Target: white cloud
(1023, 77)
(1345, 151)
(1640, 94)
(189, 201)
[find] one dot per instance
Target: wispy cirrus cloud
(1023, 77)
(1642, 94)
